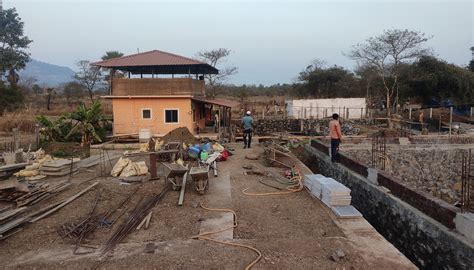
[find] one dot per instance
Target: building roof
(157, 62)
(219, 101)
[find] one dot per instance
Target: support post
(450, 119)
(409, 114)
(431, 113)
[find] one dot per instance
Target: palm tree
(87, 122)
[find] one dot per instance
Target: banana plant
(87, 122)
(53, 130)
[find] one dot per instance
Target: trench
(427, 242)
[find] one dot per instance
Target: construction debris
(126, 168)
(64, 203)
(181, 134)
(133, 220)
(60, 167)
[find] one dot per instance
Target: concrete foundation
(425, 241)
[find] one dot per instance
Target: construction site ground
(293, 231)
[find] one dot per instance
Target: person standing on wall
(336, 136)
(247, 122)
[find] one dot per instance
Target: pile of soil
(181, 134)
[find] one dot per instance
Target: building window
(171, 116)
(146, 113)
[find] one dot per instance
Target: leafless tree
(386, 52)
(216, 58)
(88, 76)
(49, 91)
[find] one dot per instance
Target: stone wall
(427, 169)
(428, 243)
(307, 126)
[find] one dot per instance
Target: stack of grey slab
(59, 167)
(332, 193)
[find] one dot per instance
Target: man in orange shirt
(336, 135)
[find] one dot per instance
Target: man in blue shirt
(247, 122)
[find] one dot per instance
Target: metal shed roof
(219, 101)
(158, 62)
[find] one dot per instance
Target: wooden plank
(64, 203)
(147, 223)
(183, 188)
(7, 184)
(11, 213)
(13, 167)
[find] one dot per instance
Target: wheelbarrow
(174, 174)
(200, 176)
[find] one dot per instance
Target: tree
(72, 90)
(87, 123)
(10, 98)
(107, 56)
(89, 77)
(49, 95)
(111, 55)
(471, 63)
(320, 81)
(386, 52)
(13, 43)
(215, 58)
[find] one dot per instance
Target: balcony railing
(157, 87)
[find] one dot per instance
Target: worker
(247, 122)
(336, 136)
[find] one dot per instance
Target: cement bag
(27, 173)
(119, 166)
(141, 168)
(33, 166)
(144, 147)
(218, 147)
(129, 170)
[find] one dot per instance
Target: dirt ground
(292, 231)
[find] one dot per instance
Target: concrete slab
(465, 224)
(219, 196)
(222, 221)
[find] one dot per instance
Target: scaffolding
(379, 151)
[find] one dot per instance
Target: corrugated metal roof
(150, 58)
(158, 62)
(219, 101)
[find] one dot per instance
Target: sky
(271, 41)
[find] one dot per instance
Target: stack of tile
(332, 193)
(60, 167)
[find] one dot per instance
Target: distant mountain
(47, 74)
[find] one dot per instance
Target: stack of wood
(41, 192)
(8, 170)
(28, 194)
(60, 167)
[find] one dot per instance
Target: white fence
(349, 108)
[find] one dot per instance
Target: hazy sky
(271, 40)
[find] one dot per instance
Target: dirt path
(292, 231)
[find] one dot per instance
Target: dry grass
(22, 120)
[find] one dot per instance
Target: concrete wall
(425, 241)
(128, 115)
(319, 108)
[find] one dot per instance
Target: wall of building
(128, 115)
(319, 108)
(400, 216)
(157, 86)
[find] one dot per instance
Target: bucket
(194, 152)
(144, 135)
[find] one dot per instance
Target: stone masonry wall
(431, 170)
